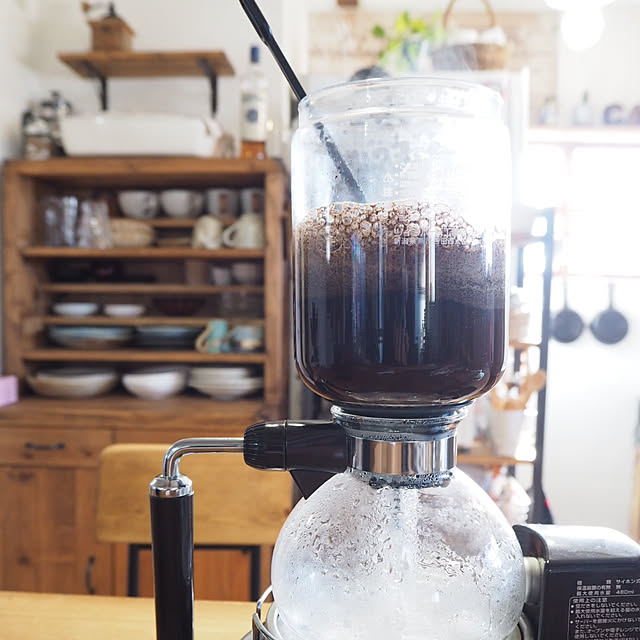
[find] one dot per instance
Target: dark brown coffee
(398, 304)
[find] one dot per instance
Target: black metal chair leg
(133, 570)
(256, 577)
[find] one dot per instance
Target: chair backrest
(233, 503)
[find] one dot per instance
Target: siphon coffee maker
(400, 221)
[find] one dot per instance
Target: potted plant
(409, 43)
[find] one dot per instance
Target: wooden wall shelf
(103, 65)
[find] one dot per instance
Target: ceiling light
(582, 27)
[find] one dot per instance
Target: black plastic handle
(172, 546)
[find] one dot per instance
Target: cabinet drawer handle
(88, 575)
(33, 446)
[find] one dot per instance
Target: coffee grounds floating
(398, 304)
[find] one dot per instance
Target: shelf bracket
(213, 83)
(104, 91)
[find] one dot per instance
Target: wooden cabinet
(49, 447)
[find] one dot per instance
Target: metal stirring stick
(263, 29)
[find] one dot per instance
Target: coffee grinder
(400, 221)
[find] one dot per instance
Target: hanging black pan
(610, 326)
(566, 325)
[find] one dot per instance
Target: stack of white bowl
(225, 383)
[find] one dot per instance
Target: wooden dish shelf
(144, 253)
(140, 355)
(168, 223)
(141, 321)
(144, 288)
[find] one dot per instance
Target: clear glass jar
(401, 199)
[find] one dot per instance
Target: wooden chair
(235, 506)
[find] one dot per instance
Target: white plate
(124, 310)
(75, 309)
(73, 383)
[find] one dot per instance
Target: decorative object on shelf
(181, 203)
(468, 50)
(634, 116)
(75, 309)
(213, 338)
(139, 204)
(549, 112)
(124, 310)
(41, 136)
(409, 44)
(73, 382)
(510, 497)
(110, 32)
(94, 230)
(613, 115)
(584, 113)
(567, 325)
(8, 390)
(207, 233)
(130, 234)
(60, 217)
(90, 338)
(155, 383)
(609, 326)
(246, 233)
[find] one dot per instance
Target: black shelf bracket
(104, 89)
(213, 83)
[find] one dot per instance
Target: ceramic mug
(222, 202)
(252, 200)
(214, 337)
(207, 233)
(140, 205)
(246, 233)
(181, 203)
(246, 337)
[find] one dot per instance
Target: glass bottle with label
(254, 105)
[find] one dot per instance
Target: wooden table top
(43, 616)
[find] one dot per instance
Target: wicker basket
(480, 56)
(130, 234)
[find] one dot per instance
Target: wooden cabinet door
(47, 539)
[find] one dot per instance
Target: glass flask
(355, 562)
(401, 199)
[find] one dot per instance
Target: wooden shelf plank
(147, 64)
(170, 223)
(144, 288)
(524, 344)
(140, 355)
(121, 410)
(140, 172)
(142, 321)
(146, 253)
(489, 460)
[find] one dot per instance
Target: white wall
(18, 81)
(610, 70)
(593, 402)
